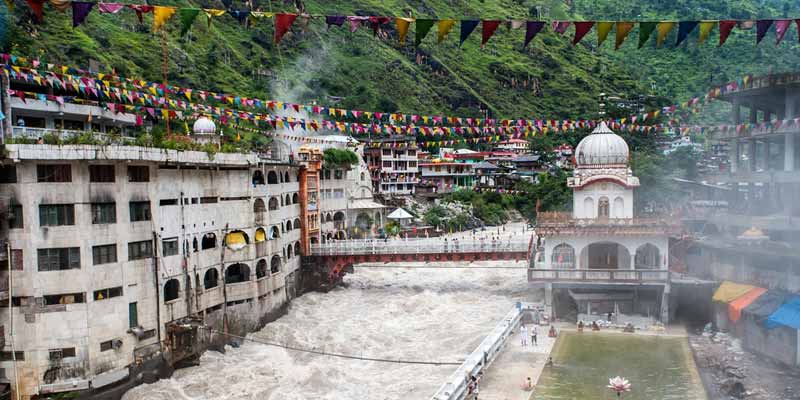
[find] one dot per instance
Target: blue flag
(684, 29)
(467, 26)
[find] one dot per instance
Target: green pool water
(657, 367)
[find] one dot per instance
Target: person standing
(534, 334)
(523, 334)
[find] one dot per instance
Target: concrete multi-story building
(447, 176)
(392, 162)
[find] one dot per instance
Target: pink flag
(781, 26)
(109, 8)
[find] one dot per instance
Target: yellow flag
(61, 5)
(663, 29)
(402, 27)
(623, 29)
(705, 28)
(161, 15)
(212, 13)
(603, 28)
(444, 28)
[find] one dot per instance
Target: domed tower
(602, 183)
(204, 131)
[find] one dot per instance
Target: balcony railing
(599, 275)
(66, 135)
(417, 246)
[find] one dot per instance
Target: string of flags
(283, 23)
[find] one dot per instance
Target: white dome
(601, 148)
(204, 126)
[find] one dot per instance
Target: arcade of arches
(605, 255)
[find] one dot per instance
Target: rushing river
(422, 314)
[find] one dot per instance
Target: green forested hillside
(548, 79)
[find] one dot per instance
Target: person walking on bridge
(523, 334)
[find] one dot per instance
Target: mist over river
(410, 314)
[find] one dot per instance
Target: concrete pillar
(753, 114)
(788, 152)
(733, 155)
(665, 304)
(548, 299)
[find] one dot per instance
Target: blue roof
(787, 315)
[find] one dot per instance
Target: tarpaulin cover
(260, 235)
(729, 291)
(735, 307)
(235, 240)
(788, 315)
(766, 304)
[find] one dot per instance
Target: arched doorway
(211, 279)
(272, 178)
(209, 241)
(602, 207)
(237, 273)
(605, 255)
(261, 269)
(563, 257)
(275, 264)
(171, 290)
(297, 248)
(258, 177)
(273, 203)
(647, 257)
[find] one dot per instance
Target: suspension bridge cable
(325, 353)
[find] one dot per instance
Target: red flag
(37, 6)
(581, 29)
(282, 24)
(489, 27)
(725, 28)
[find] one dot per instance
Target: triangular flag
(423, 27)
(762, 26)
(337, 20)
(109, 8)
(140, 9)
(37, 6)
(488, 29)
(664, 29)
(282, 24)
(623, 29)
(532, 28)
(187, 16)
(402, 28)
(603, 28)
(781, 26)
(467, 26)
(60, 5)
(581, 29)
(443, 29)
(705, 30)
(212, 13)
(725, 28)
(80, 10)
(560, 26)
(684, 29)
(645, 30)
(161, 15)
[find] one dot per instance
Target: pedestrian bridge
(518, 246)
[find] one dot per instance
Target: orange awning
(735, 307)
(729, 291)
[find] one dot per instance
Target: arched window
(289, 252)
(273, 203)
(236, 240)
(258, 177)
(194, 244)
(339, 216)
(298, 176)
(258, 206)
(286, 177)
(563, 257)
(288, 226)
(272, 178)
(588, 207)
(261, 269)
(260, 235)
(329, 217)
(171, 290)
(209, 241)
(275, 264)
(619, 208)
(364, 221)
(602, 207)
(236, 273)
(274, 233)
(362, 176)
(647, 257)
(297, 223)
(295, 199)
(288, 199)
(211, 279)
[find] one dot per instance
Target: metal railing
(64, 134)
(558, 219)
(418, 246)
(598, 275)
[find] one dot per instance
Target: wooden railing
(599, 275)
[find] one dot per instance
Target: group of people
(473, 388)
(595, 326)
(534, 334)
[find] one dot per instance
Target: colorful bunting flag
(623, 29)
(212, 13)
(705, 30)
(402, 28)
(337, 20)
(282, 24)
(37, 6)
(355, 21)
(725, 28)
(684, 29)
(781, 26)
(603, 28)
(376, 22)
(560, 26)
(240, 15)
(489, 27)
(423, 26)
(109, 8)
(663, 29)
(581, 29)
(532, 28)
(762, 26)
(161, 15)
(80, 10)
(467, 26)
(187, 16)
(443, 29)
(140, 9)
(60, 5)
(645, 30)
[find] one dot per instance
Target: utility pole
(5, 99)
(164, 66)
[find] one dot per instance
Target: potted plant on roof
(619, 385)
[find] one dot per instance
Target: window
(104, 213)
(140, 250)
(133, 315)
(56, 214)
(169, 247)
(387, 164)
(61, 299)
(7, 356)
(138, 173)
(171, 290)
(101, 173)
(58, 354)
(59, 259)
(110, 345)
(103, 294)
(208, 200)
(105, 254)
(140, 211)
(54, 173)
(338, 174)
(8, 174)
(15, 218)
(168, 202)
(16, 259)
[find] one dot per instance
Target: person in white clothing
(534, 335)
(523, 334)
